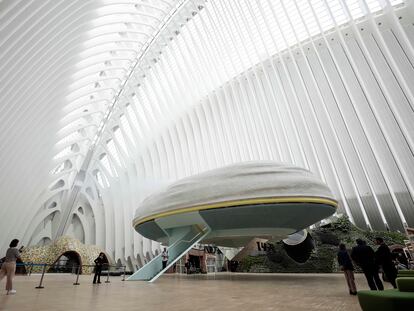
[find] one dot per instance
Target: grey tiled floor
(172, 292)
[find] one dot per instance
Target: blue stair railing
(183, 239)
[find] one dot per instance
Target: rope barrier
(77, 276)
(107, 276)
(123, 278)
(30, 266)
(41, 278)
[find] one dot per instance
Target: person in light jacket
(8, 268)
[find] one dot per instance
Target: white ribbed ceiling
(62, 64)
(102, 101)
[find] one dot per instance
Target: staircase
(182, 239)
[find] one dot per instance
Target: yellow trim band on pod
(238, 203)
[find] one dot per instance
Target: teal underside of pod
(236, 225)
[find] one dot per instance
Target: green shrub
(323, 258)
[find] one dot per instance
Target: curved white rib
(117, 98)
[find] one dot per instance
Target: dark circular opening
(68, 262)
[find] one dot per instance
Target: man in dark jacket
(383, 258)
(364, 257)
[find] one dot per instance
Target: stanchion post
(77, 276)
(41, 278)
(107, 276)
(123, 278)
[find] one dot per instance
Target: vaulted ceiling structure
(103, 102)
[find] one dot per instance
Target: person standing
(8, 267)
(187, 266)
(383, 258)
(347, 267)
(99, 262)
(164, 256)
(364, 257)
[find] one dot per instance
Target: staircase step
(184, 239)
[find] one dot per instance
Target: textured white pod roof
(237, 182)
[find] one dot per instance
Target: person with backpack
(364, 257)
(383, 258)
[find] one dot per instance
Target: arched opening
(68, 262)
(90, 193)
(44, 241)
(140, 263)
(76, 229)
(20, 269)
(52, 205)
(59, 184)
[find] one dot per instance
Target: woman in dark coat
(99, 262)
